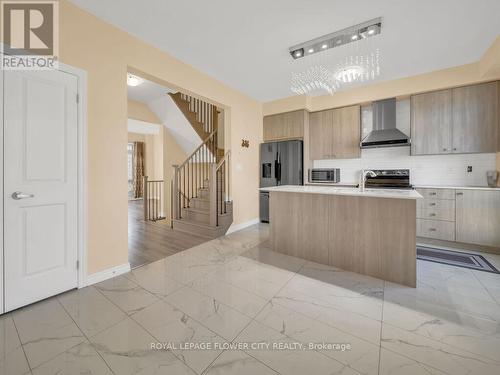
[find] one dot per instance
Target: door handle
(17, 195)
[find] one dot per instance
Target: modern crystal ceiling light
(133, 80)
(352, 69)
(315, 72)
(338, 38)
(358, 68)
(313, 79)
(349, 74)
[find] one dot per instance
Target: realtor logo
(29, 34)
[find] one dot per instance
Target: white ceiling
(146, 92)
(245, 43)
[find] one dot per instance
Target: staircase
(200, 185)
(202, 116)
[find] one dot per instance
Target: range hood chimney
(384, 133)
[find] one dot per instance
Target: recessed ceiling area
(245, 43)
(147, 91)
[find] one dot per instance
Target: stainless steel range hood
(384, 133)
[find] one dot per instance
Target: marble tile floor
(232, 306)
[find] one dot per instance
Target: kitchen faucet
(362, 180)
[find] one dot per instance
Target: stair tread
(198, 210)
(201, 199)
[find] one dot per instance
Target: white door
(40, 185)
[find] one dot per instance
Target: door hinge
(78, 98)
(77, 264)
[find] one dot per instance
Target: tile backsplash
(424, 170)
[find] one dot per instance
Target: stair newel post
(145, 196)
(213, 194)
(175, 192)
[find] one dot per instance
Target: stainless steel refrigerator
(281, 163)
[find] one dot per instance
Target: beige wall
(107, 53)
(140, 111)
(153, 143)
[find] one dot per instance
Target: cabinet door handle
(432, 204)
(445, 149)
(460, 194)
(432, 215)
(434, 193)
(432, 229)
(454, 149)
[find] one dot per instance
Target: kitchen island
(371, 232)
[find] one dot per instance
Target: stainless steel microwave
(324, 175)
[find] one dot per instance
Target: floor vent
(455, 258)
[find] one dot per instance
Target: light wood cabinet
(430, 193)
(459, 120)
(478, 217)
(436, 209)
(431, 123)
(438, 229)
(335, 133)
(283, 126)
(475, 118)
(367, 235)
(436, 214)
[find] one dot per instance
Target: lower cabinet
(438, 229)
(478, 217)
(436, 214)
(462, 215)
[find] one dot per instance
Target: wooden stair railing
(222, 195)
(153, 200)
(202, 116)
(193, 174)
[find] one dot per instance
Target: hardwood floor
(151, 241)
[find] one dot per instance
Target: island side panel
(299, 225)
(375, 237)
(371, 236)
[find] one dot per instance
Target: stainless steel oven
(389, 179)
(324, 175)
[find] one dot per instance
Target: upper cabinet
(475, 118)
(283, 126)
(460, 120)
(431, 123)
(335, 133)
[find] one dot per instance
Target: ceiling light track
(338, 38)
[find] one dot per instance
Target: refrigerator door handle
(277, 168)
(277, 171)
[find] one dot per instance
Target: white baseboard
(237, 227)
(107, 274)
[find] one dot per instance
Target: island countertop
(331, 190)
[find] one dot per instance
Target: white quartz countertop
(456, 187)
(375, 193)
